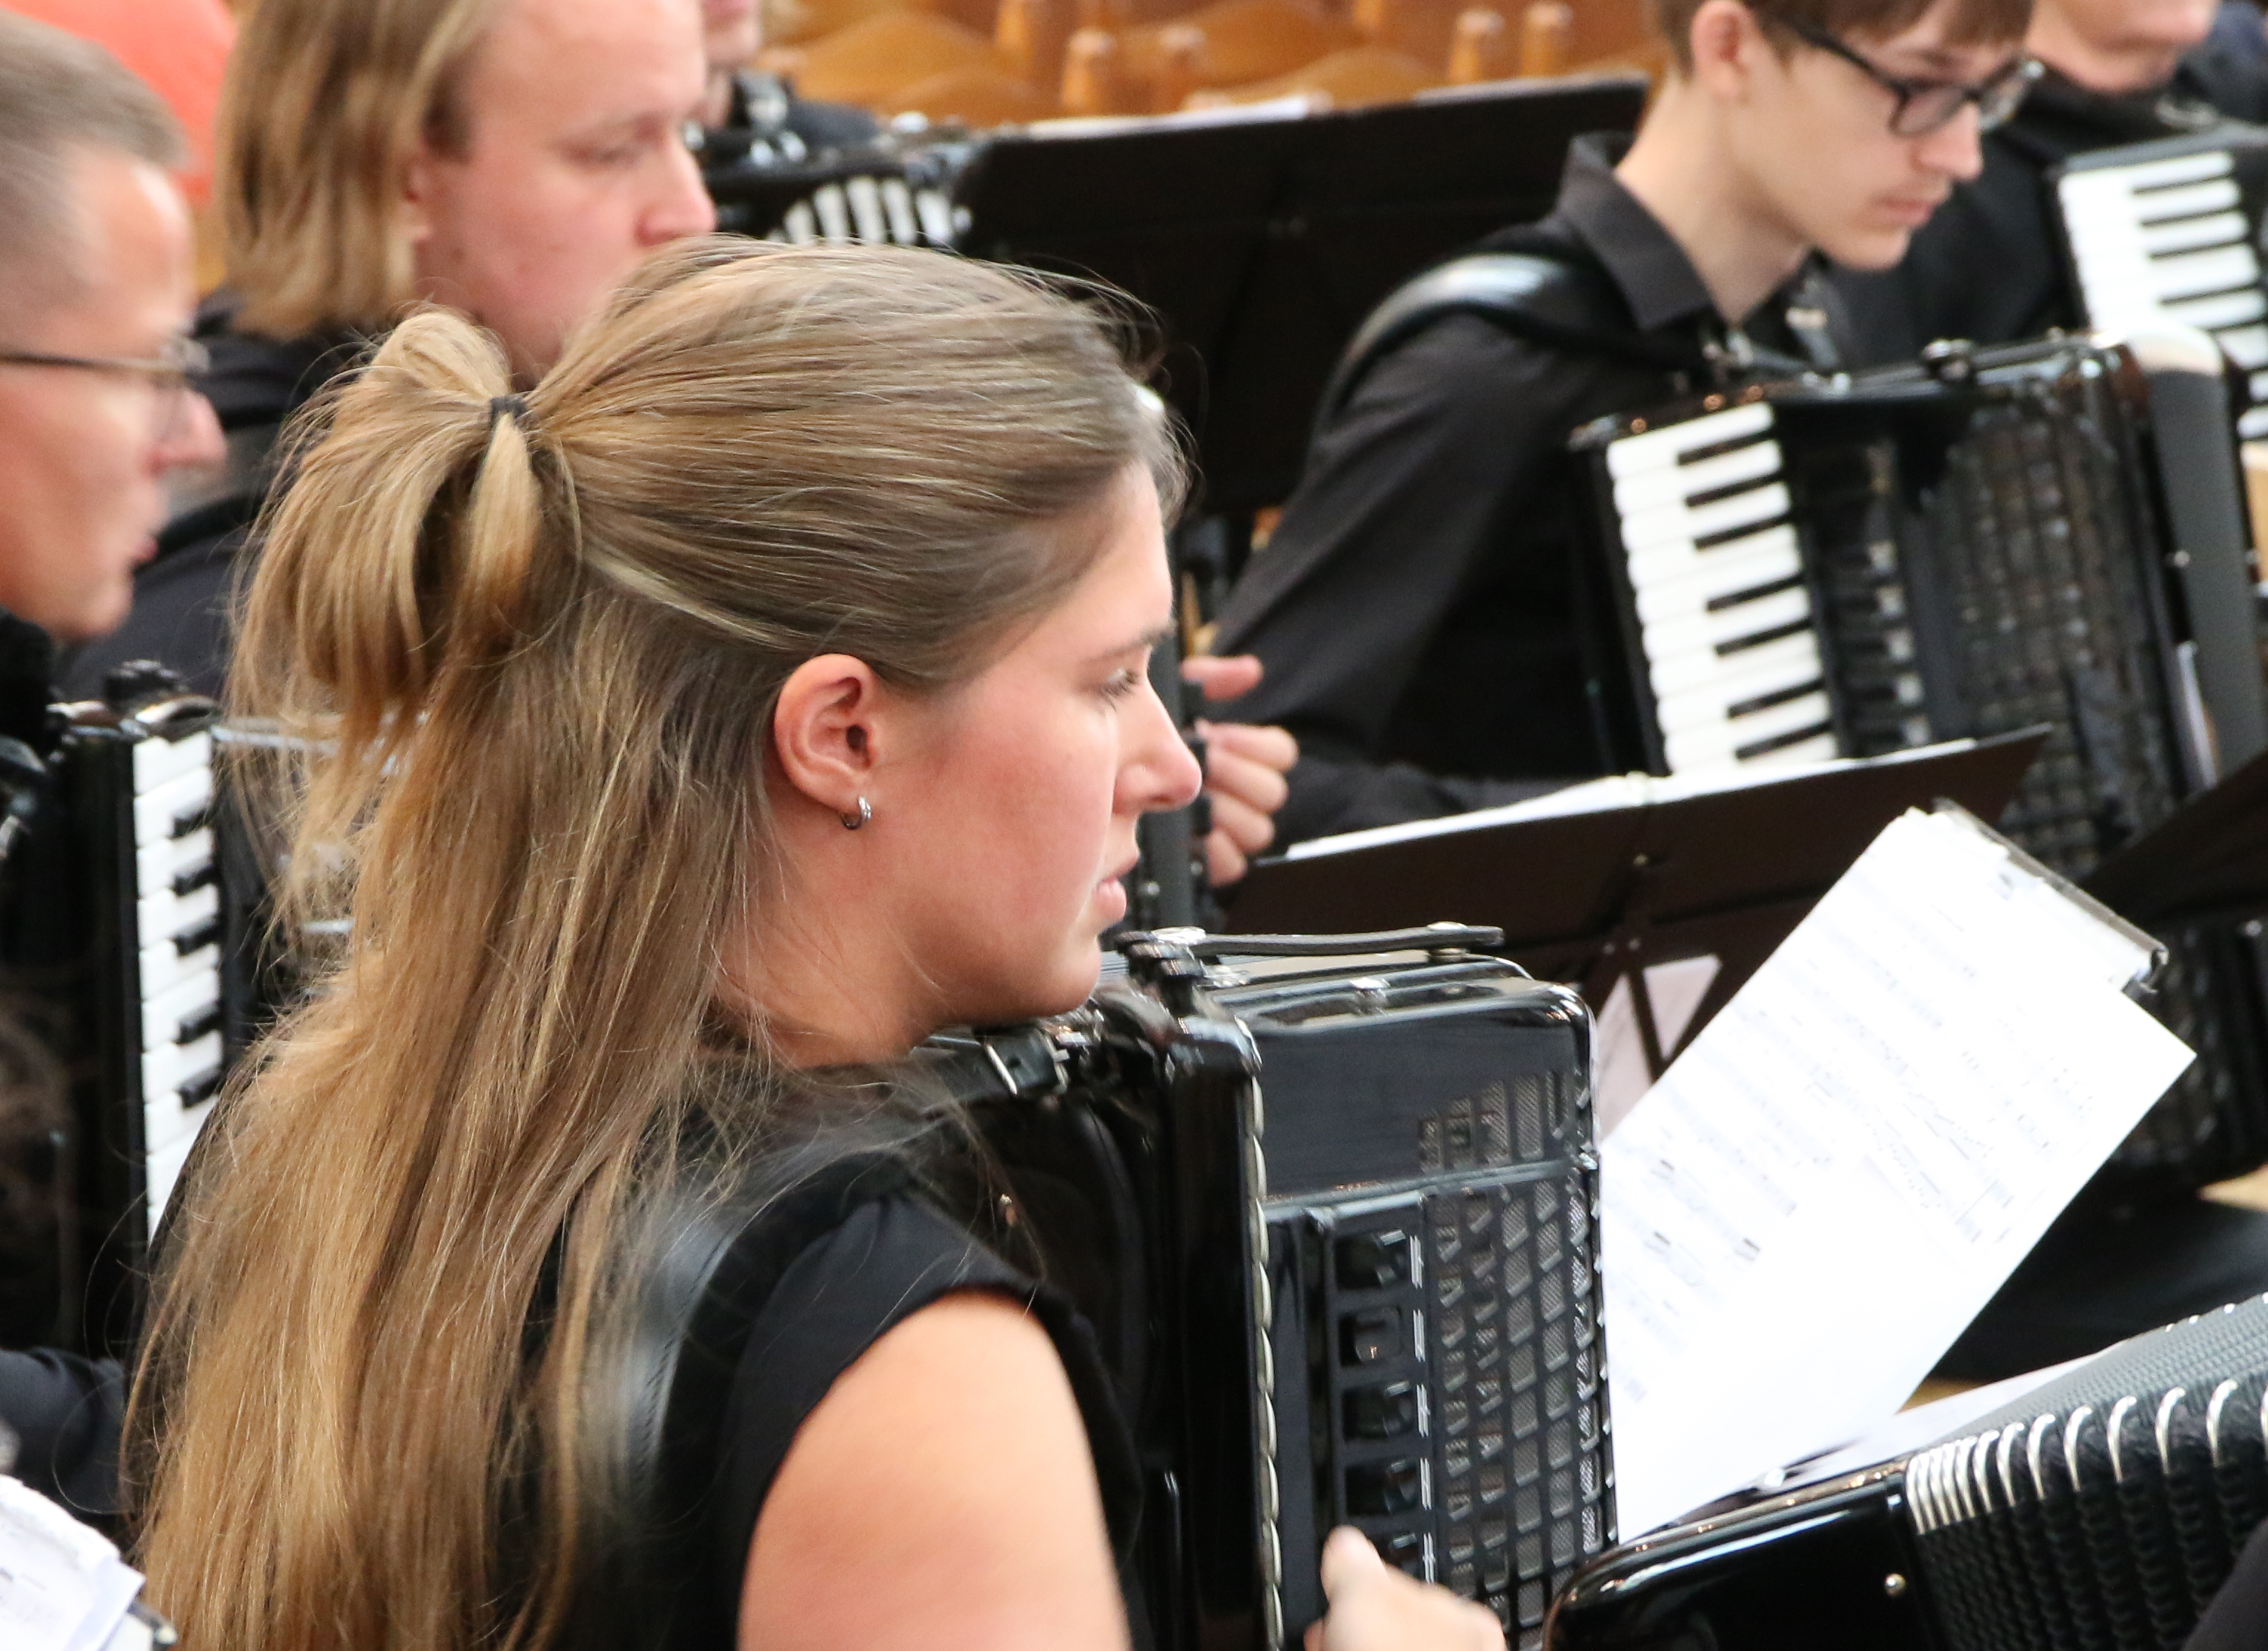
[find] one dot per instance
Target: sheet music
(1603, 796)
(1849, 1161)
(63, 1585)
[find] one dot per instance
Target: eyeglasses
(1924, 106)
(168, 373)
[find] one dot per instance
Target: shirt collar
(1658, 281)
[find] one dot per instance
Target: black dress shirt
(1415, 607)
(1989, 266)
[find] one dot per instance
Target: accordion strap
(1547, 295)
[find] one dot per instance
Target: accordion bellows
(2099, 1513)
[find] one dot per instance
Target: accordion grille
(1523, 1496)
(2033, 534)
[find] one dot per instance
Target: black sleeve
(65, 1412)
(886, 1261)
(1406, 496)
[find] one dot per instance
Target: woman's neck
(1680, 171)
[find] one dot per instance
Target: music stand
(1605, 896)
(2204, 865)
(1264, 237)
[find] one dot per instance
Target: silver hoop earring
(852, 822)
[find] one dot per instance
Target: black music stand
(2206, 864)
(1594, 897)
(1264, 237)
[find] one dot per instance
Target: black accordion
(2099, 1513)
(123, 952)
(2042, 534)
(1330, 1206)
(2170, 230)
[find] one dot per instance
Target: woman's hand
(1245, 766)
(1376, 1608)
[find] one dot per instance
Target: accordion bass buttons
(1375, 1261)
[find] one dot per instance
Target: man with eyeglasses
(1417, 607)
(1989, 268)
(96, 287)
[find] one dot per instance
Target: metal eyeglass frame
(169, 373)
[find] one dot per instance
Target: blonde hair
(323, 103)
(541, 664)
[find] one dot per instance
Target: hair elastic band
(511, 407)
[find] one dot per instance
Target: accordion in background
(2170, 231)
(1335, 1218)
(2099, 1513)
(116, 935)
(891, 192)
(1991, 540)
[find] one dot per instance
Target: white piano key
(163, 966)
(2215, 269)
(1660, 449)
(1707, 579)
(1713, 700)
(2246, 346)
(2256, 387)
(935, 209)
(1649, 488)
(2182, 235)
(163, 1012)
(868, 222)
(159, 813)
(2159, 174)
(898, 207)
(2219, 310)
(164, 1070)
(2188, 201)
(1710, 744)
(1700, 669)
(156, 864)
(1729, 626)
(800, 227)
(157, 760)
(1676, 558)
(166, 915)
(1681, 522)
(2253, 423)
(834, 212)
(161, 1172)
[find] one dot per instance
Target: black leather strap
(1549, 296)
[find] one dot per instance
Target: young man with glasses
(1415, 608)
(2115, 72)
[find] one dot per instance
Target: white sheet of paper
(1829, 1183)
(63, 1585)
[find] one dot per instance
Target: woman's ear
(823, 730)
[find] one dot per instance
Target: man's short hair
(62, 97)
(1974, 22)
(324, 103)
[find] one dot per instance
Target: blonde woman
(761, 693)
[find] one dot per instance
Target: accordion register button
(1372, 1337)
(1380, 1413)
(1375, 1489)
(1374, 1261)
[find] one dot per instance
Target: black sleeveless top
(846, 1266)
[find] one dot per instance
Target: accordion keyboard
(175, 967)
(2168, 239)
(1726, 622)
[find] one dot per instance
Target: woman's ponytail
(407, 537)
